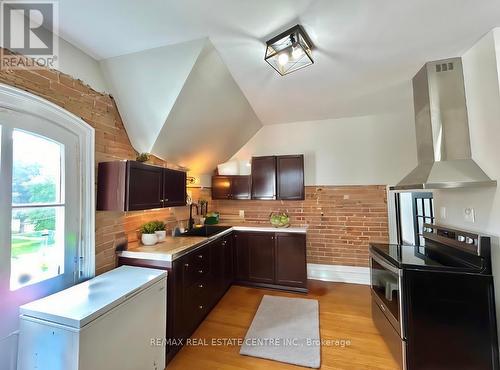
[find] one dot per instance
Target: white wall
(77, 64)
(375, 149)
(481, 66)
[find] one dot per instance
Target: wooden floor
(344, 315)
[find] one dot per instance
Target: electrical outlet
(442, 213)
(242, 213)
(469, 215)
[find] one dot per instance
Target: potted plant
(160, 232)
(148, 235)
(143, 157)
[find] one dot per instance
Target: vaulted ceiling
(181, 103)
(366, 51)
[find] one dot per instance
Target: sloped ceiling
(210, 120)
(146, 85)
(181, 104)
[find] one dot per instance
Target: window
(38, 209)
(46, 197)
(413, 211)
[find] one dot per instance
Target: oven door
(386, 289)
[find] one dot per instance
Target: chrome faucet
(191, 219)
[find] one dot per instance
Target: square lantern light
(289, 51)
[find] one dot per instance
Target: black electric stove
(434, 304)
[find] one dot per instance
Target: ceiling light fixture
(289, 51)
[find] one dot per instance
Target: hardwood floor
(345, 314)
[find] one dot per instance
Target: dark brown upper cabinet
(264, 178)
(290, 177)
(278, 177)
(133, 186)
(231, 187)
(174, 188)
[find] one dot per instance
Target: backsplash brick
(341, 220)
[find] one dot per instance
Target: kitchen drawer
(200, 258)
(196, 267)
(197, 300)
(201, 290)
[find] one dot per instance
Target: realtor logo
(29, 28)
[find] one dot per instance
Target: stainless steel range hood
(442, 130)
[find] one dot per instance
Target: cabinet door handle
(186, 265)
(200, 286)
(200, 271)
(200, 256)
(166, 200)
(224, 242)
(200, 307)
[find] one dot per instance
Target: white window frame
(20, 101)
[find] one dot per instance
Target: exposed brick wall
(111, 143)
(341, 220)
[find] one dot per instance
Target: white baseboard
(340, 274)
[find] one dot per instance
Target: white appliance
(111, 322)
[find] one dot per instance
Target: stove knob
(469, 241)
(461, 238)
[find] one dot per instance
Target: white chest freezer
(111, 322)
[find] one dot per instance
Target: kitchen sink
(207, 230)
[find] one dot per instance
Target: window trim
(14, 99)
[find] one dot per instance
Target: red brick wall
(111, 143)
(341, 220)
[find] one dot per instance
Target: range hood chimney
(442, 130)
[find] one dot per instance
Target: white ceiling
(366, 49)
(146, 85)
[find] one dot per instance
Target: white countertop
(173, 248)
(80, 304)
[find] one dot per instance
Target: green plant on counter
(160, 225)
(143, 157)
(279, 219)
(148, 228)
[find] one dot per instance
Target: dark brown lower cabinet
(291, 266)
(274, 260)
(261, 257)
(240, 248)
(199, 279)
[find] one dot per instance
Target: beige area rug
(285, 330)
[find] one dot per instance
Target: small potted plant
(143, 157)
(148, 233)
(160, 232)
